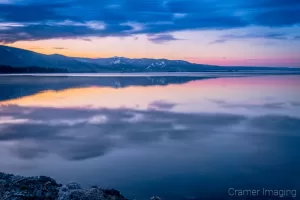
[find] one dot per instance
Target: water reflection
(13, 87)
(83, 134)
(194, 139)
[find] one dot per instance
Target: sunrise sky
(231, 32)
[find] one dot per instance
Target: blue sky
(231, 32)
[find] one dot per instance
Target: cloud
(44, 31)
(270, 36)
(219, 41)
(43, 20)
(268, 105)
(36, 48)
(162, 38)
(278, 36)
(271, 13)
(297, 37)
(270, 4)
(278, 17)
(59, 48)
(32, 12)
(161, 104)
(87, 39)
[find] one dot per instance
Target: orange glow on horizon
(65, 52)
(48, 49)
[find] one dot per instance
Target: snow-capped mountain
(147, 64)
(20, 58)
(139, 62)
(14, 60)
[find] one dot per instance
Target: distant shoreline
(160, 74)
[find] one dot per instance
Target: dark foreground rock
(155, 198)
(45, 188)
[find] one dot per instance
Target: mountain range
(15, 60)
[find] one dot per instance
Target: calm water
(174, 137)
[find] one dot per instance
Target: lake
(177, 137)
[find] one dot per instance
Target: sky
(218, 32)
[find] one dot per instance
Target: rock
(155, 198)
(76, 195)
(27, 188)
(113, 194)
(45, 188)
(94, 194)
(89, 194)
(73, 186)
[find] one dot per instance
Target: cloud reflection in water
(158, 139)
(91, 136)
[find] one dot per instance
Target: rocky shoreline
(45, 188)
